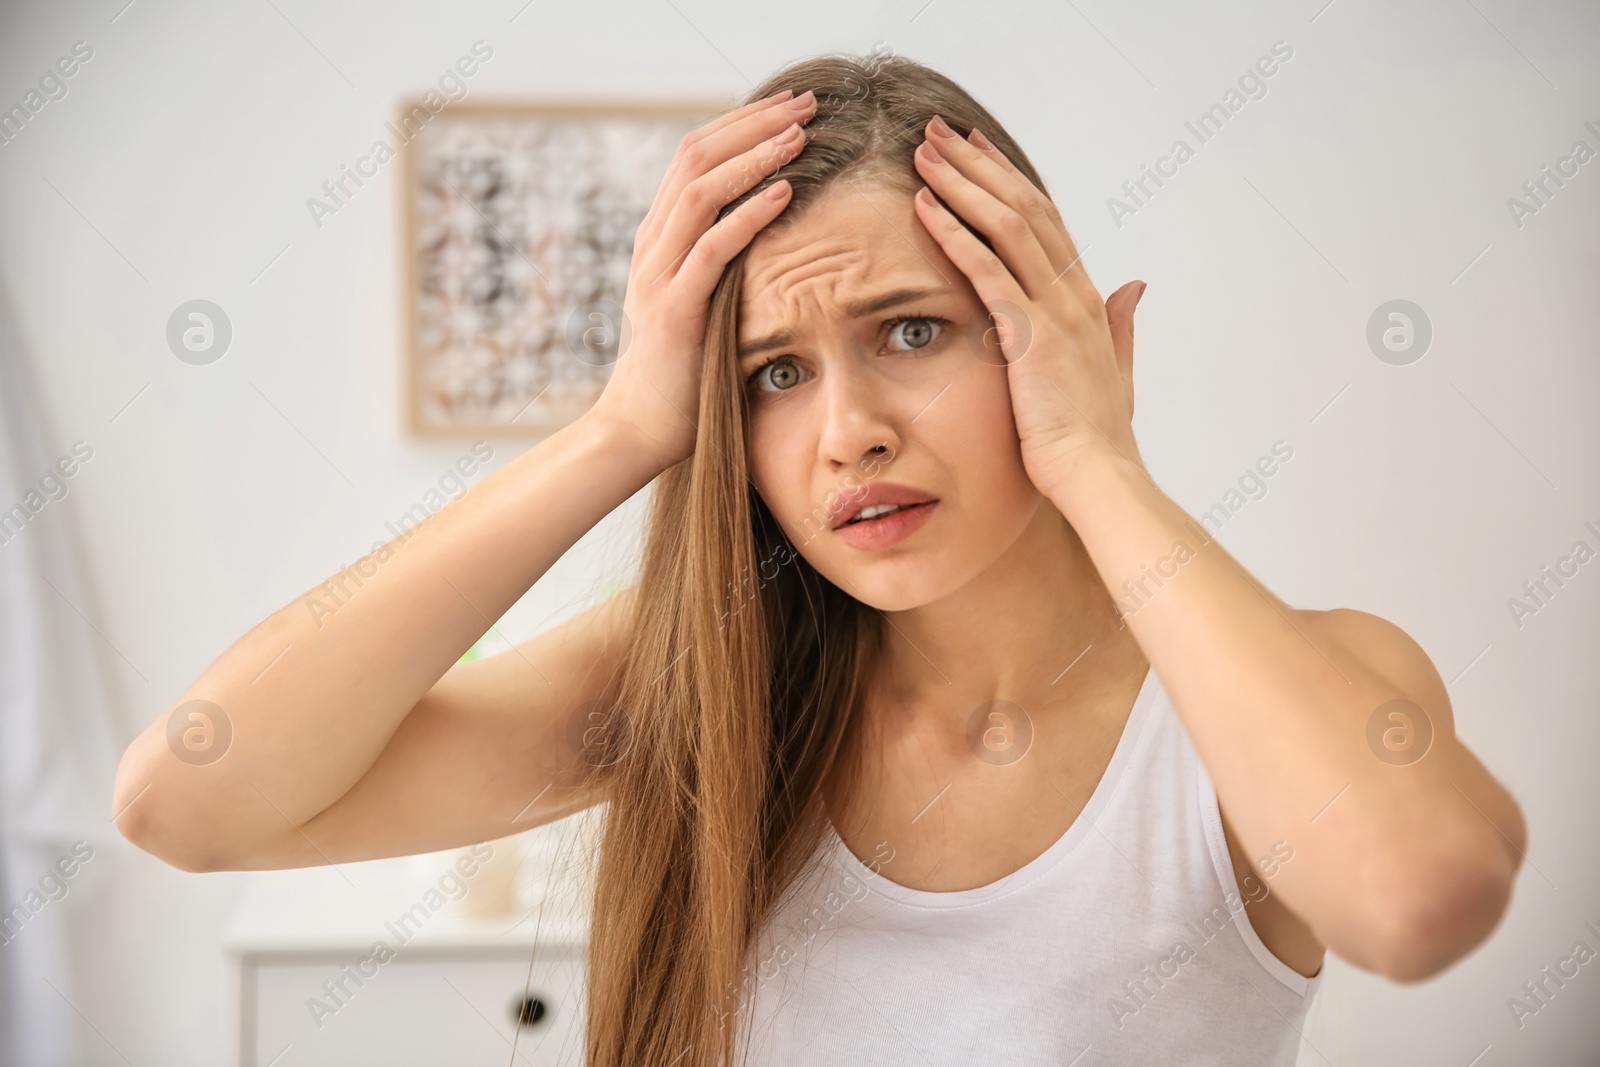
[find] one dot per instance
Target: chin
(892, 600)
(911, 580)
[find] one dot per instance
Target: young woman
(938, 732)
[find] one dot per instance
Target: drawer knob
(528, 1011)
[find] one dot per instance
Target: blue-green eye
(788, 372)
(925, 330)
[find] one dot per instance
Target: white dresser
(384, 963)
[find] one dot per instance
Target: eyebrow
(856, 310)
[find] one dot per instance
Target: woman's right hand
(678, 258)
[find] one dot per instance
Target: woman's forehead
(843, 249)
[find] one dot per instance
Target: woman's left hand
(1069, 354)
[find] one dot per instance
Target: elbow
(1436, 916)
(170, 849)
(143, 820)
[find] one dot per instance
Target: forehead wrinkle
(813, 283)
(825, 270)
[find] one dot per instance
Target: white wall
(1377, 166)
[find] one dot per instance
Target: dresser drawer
(423, 1007)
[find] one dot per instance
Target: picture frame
(517, 226)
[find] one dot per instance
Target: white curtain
(57, 750)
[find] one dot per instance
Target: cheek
(976, 425)
(976, 438)
(778, 470)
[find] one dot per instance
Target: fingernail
(940, 128)
(777, 96)
(803, 101)
(930, 153)
(1140, 295)
(777, 190)
(977, 138)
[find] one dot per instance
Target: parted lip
(881, 493)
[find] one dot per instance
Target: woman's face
(854, 371)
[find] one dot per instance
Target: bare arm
(352, 734)
(1404, 857)
(317, 701)
(1406, 847)
(492, 749)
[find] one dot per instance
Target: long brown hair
(745, 671)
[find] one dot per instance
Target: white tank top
(1124, 942)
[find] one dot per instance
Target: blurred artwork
(519, 227)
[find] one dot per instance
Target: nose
(859, 418)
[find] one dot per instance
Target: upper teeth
(875, 510)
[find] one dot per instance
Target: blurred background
(222, 379)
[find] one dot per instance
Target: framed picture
(518, 221)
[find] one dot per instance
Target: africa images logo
(452, 89)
